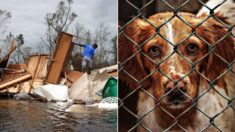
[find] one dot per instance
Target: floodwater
(34, 116)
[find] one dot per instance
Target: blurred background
(150, 7)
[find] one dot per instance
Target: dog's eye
(192, 48)
(154, 51)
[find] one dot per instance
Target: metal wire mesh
(129, 95)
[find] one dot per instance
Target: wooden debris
(13, 71)
(4, 60)
(60, 58)
(72, 76)
(16, 77)
(37, 66)
(16, 80)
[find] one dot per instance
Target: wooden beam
(19, 79)
(60, 58)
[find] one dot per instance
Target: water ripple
(25, 116)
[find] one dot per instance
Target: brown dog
(182, 69)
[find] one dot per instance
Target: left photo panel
(58, 65)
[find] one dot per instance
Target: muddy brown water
(34, 116)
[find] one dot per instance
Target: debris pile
(51, 80)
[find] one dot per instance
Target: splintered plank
(12, 71)
(15, 80)
(60, 58)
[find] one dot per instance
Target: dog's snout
(182, 86)
(176, 91)
(172, 85)
(169, 86)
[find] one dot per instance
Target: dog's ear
(129, 54)
(224, 53)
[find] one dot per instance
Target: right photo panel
(176, 65)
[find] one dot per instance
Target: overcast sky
(28, 16)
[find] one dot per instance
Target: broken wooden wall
(18, 77)
(60, 58)
(37, 66)
(15, 80)
(12, 71)
(12, 77)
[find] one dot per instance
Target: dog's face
(174, 53)
(172, 74)
(174, 58)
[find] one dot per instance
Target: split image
(117, 65)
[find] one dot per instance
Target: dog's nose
(176, 95)
(172, 85)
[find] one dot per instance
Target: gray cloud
(28, 16)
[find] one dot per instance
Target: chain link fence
(142, 104)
